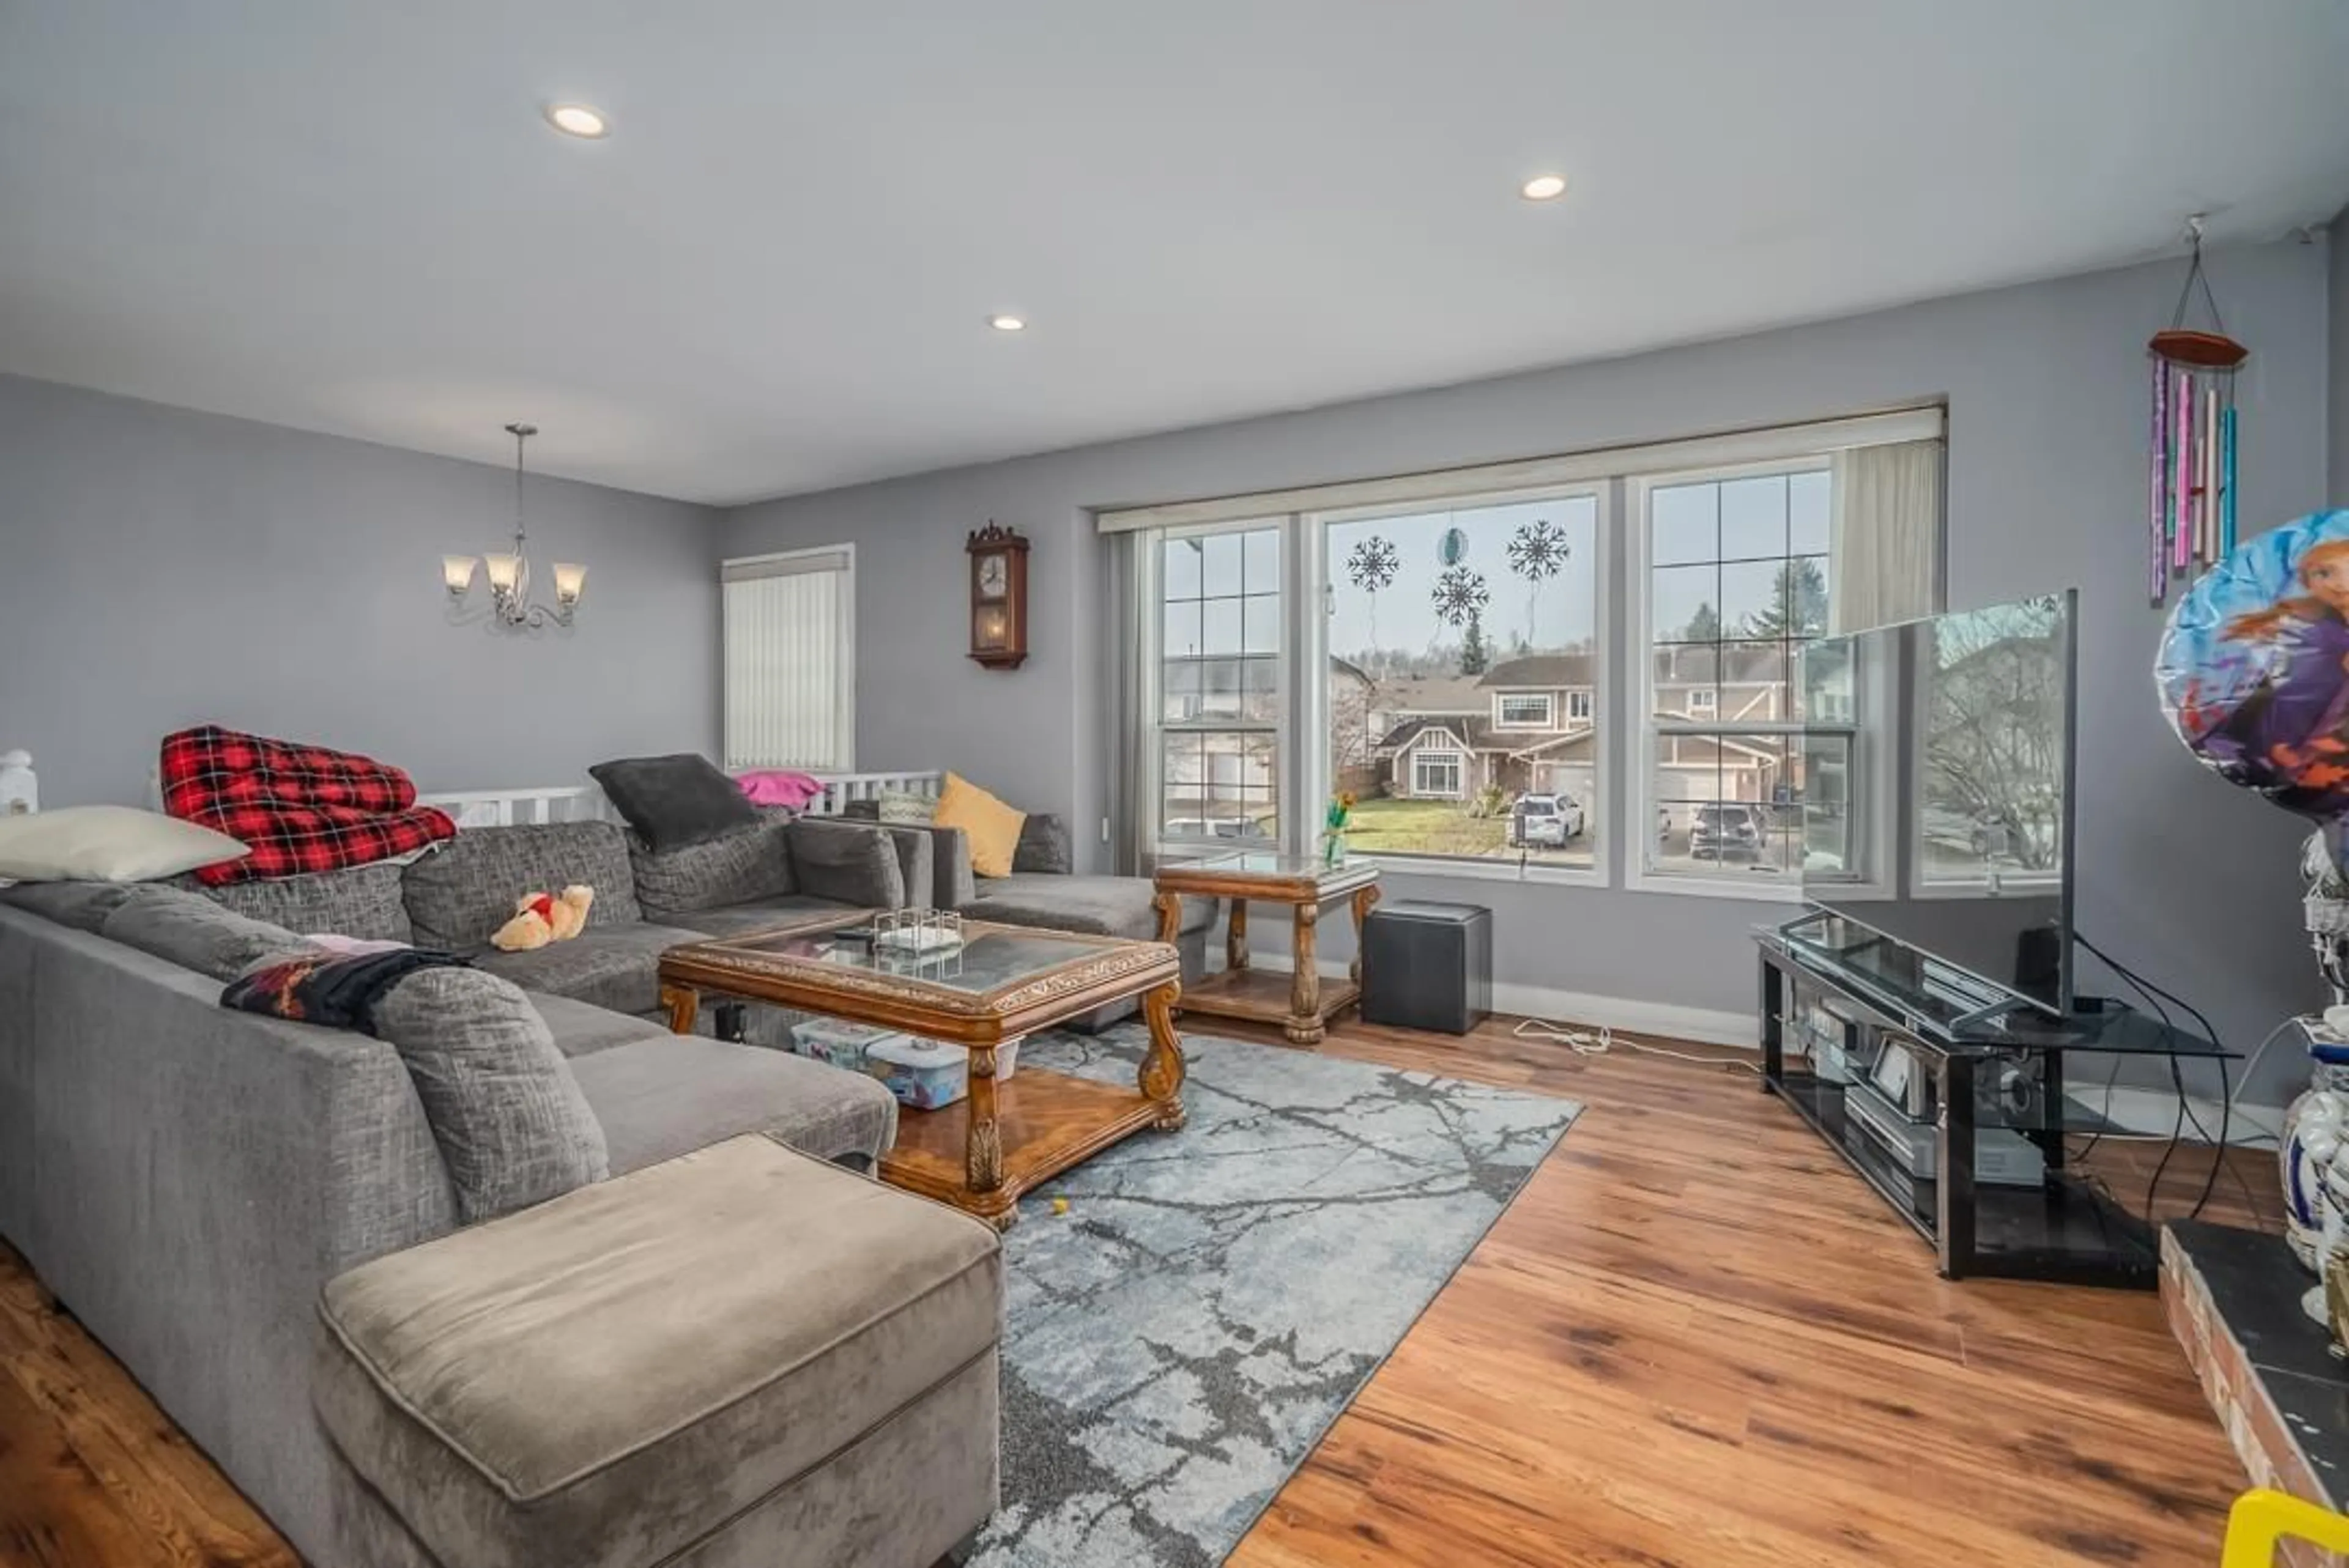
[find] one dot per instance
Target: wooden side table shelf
(1301, 1002)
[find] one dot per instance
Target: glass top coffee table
(1301, 1002)
(1003, 981)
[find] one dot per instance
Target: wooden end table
(1302, 1002)
(1006, 1137)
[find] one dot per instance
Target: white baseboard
(2153, 1113)
(1701, 1026)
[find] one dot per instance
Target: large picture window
(1455, 650)
(1219, 618)
(1467, 639)
(1736, 580)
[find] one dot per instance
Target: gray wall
(160, 567)
(2181, 875)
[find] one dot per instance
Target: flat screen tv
(1937, 803)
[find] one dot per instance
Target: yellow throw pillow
(991, 827)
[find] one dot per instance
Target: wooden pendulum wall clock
(998, 597)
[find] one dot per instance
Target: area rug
(1183, 1333)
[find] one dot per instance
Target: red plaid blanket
(301, 808)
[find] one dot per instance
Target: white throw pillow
(906, 809)
(108, 843)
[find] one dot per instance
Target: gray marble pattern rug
(1181, 1336)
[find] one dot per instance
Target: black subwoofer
(1427, 965)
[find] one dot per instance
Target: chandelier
(509, 573)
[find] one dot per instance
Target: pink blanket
(779, 786)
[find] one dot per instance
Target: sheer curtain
(1133, 768)
(1886, 535)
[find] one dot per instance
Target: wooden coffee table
(1003, 982)
(1301, 1002)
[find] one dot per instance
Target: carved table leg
(1304, 1026)
(1162, 1068)
(683, 1005)
(1236, 955)
(1365, 898)
(982, 1138)
(1170, 914)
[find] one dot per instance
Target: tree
(1473, 655)
(1351, 702)
(1994, 741)
(1798, 603)
(1704, 626)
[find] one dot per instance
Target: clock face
(994, 576)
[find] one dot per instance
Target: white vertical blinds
(789, 651)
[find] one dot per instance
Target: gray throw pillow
(736, 868)
(359, 900)
(458, 895)
(513, 1127)
(192, 932)
(83, 906)
(672, 801)
(1043, 846)
(850, 863)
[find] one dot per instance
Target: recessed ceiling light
(1007, 323)
(1544, 187)
(578, 119)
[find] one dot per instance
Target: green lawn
(1424, 827)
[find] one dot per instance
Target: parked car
(1546, 821)
(1725, 832)
(1214, 828)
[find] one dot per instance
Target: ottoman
(1427, 965)
(740, 1355)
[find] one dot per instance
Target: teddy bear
(541, 918)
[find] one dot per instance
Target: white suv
(1545, 821)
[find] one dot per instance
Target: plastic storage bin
(921, 1074)
(842, 1044)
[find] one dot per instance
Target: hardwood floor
(92, 1475)
(1694, 1340)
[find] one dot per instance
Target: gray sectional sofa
(733, 1351)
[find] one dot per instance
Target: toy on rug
(541, 918)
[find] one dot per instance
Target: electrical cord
(2105, 1107)
(2155, 994)
(1599, 1042)
(2177, 1084)
(2252, 1068)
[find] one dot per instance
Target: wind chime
(2192, 483)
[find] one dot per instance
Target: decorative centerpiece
(918, 943)
(917, 932)
(1333, 828)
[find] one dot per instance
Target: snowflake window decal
(1538, 550)
(1460, 596)
(1372, 564)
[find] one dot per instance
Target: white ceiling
(775, 275)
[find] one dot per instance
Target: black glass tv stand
(1961, 1129)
